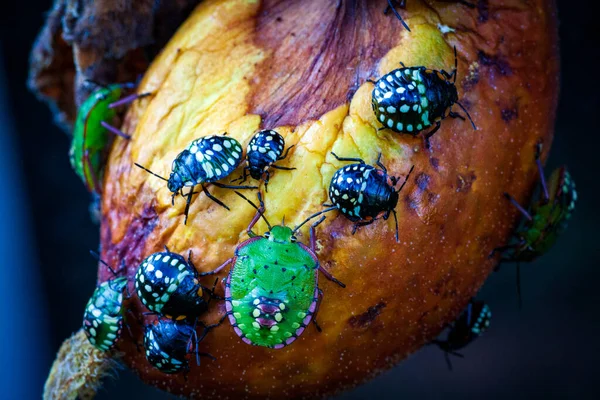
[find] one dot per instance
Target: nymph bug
(91, 132)
(363, 193)
(168, 344)
(271, 293)
(103, 316)
(168, 285)
(411, 99)
(205, 160)
(264, 150)
(471, 324)
(546, 219)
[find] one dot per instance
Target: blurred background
(548, 349)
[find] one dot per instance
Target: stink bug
(264, 150)
(363, 193)
(168, 344)
(205, 160)
(471, 324)
(168, 285)
(546, 219)
(103, 316)
(410, 99)
(91, 132)
(271, 293)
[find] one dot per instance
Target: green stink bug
(272, 292)
(546, 219)
(91, 132)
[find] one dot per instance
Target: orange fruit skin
(301, 68)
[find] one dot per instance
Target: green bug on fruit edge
(546, 219)
(104, 313)
(91, 133)
(272, 292)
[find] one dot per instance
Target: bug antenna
(468, 115)
(150, 172)
(313, 216)
(406, 179)
(455, 64)
(255, 207)
(97, 257)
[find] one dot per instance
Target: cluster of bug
(271, 292)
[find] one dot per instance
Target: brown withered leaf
(102, 41)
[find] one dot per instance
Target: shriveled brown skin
(301, 68)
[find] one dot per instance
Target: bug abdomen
(400, 102)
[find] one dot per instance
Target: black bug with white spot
(410, 99)
(205, 160)
(168, 344)
(264, 150)
(168, 285)
(471, 324)
(364, 193)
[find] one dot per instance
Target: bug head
(174, 183)
(281, 234)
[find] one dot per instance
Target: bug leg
(189, 260)
(187, 204)
(347, 158)
(518, 206)
(128, 99)
(286, 152)
(213, 198)
(283, 168)
(331, 277)
(431, 133)
(362, 223)
(221, 185)
(502, 249)
(519, 297)
(453, 114)
(268, 176)
(242, 178)
(371, 81)
(218, 269)
(114, 130)
(318, 300)
(392, 7)
(327, 205)
(538, 154)
(380, 165)
(448, 362)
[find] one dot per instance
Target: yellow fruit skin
(301, 68)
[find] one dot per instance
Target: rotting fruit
(301, 68)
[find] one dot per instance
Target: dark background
(549, 349)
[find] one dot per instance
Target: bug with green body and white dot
(546, 219)
(206, 160)
(103, 317)
(410, 99)
(168, 285)
(271, 292)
